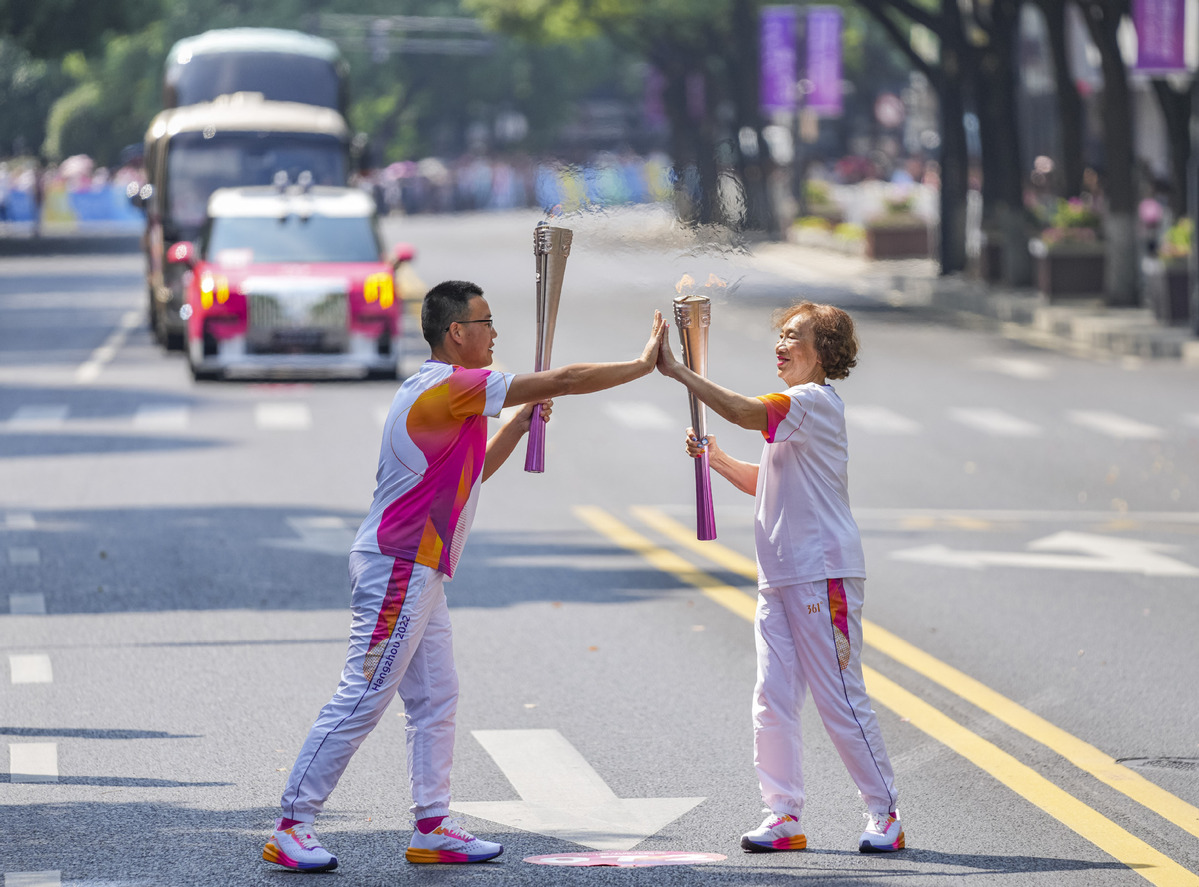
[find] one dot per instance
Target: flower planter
(990, 260)
(1168, 291)
(1069, 270)
(899, 242)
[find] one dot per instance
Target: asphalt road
(173, 593)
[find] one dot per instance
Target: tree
(1122, 265)
(1069, 102)
(1176, 104)
(28, 88)
(957, 65)
(706, 51)
(49, 29)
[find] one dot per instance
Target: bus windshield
(197, 166)
(280, 77)
(293, 238)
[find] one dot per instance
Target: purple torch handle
(535, 454)
(705, 517)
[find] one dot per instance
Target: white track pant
(810, 635)
(399, 641)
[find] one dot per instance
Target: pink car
(291, 281)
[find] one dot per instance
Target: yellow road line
(1131, 851)
(1081, 754)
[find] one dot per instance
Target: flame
(713, 280)
(686, 282)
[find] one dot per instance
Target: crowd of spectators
(477, 182)
(66, 193)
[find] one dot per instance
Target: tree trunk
(1003, 170)
(1176, 109)
(954, 175)
(761, 213)
(1123, 266)
(1069, 103)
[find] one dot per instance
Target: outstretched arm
(584, 378)
(747, 412)
(742, 475)
(504, 441)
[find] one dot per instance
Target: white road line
(32, 879)
(642, 416)
(1018, 367)
(283, 416)
(161, 417)
(30, 668)
(27, 604)
(33, 761)
(38, 416)
(24, 556)
(995, 422)
(1191, 419)
(89, 370)
(19, 520)
(1115, 425)
(880, 420)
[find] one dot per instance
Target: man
(434, 455)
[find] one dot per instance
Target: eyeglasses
(486, 321)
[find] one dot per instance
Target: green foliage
(49, 29)
(1076, 213)
(28, 88)
(1074, 222)
(112, 102)
(74, 122)
(850, 231)
(813, 223)
(1176, 242)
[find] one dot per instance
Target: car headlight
(379, 288)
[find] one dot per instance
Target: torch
(692, 317)
(551, 248)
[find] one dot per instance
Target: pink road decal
(626, 858)
(838, 608)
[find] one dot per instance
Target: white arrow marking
(562, 796)
(1103, 554)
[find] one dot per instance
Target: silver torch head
(692, 317)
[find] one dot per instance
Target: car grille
(297, 318)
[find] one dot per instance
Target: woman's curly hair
(832, 331)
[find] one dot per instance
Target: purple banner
(824, 61)
(1161, 33)
(778, 73)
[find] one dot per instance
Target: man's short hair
(446, 303)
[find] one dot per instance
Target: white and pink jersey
(434, 444)
(804, 530)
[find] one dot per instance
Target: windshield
(279, 76)
(197, 166)
(240, 240)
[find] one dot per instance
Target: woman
(811, 574)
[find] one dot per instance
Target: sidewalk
(1083, 327)
(19, 239)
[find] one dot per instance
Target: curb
(1083, 327)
